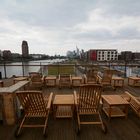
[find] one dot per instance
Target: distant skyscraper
(77, 51)
(25, 50)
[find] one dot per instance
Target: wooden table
(50, 80)
(117, 82)
(134, 81)
(111, 106)
(17, 79)
(63, 106)
(9, 106)
(76, 80)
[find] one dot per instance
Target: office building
(102, 55)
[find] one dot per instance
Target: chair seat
(106, 83)
(37, 114)
(64, 80)
(87, 111)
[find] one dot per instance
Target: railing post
(125, 67)
(5, 70)
(75, 73)
(22, 68)
(58, 69)
(40, 68)
(85, 69)
(109, 65)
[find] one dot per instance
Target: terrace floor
(64, 129)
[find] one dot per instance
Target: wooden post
(9, 117)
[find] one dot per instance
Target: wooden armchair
(64, 80)
(105, 81)
(133, 101)
(90, 77)
(35, 105)
(36, 81)
(33, 74)
(87, 102)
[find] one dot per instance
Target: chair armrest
(99, 78)
(135, 105)
(49, 101)
(85, 78)
(59, 77)
(127, 96)
(75, 98)
(43, 78)
(133, 101)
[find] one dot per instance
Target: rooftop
(64, 129)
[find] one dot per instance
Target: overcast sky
(56, 26)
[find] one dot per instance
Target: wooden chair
(34, 73)
(105, 81)
(91, 76)
(35, 105)
(64, 80)
(36, 81)
(87, 102)
(133, 101)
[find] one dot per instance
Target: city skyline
(55, 27)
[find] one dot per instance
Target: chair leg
(45, 126)
(78, 118)
(19, 129)
(104, 128)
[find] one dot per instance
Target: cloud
(54, 27)
(100, 26)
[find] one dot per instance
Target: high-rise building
(25, 50)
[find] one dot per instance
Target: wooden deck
(64, 129)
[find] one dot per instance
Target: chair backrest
(65, 77)
(34, 73)
(107, 75)
(90, 73)
(32, 101)
(133, 101)
(89, 96)
(36, 78)
(91, 76)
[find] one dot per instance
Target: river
(13, 69)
